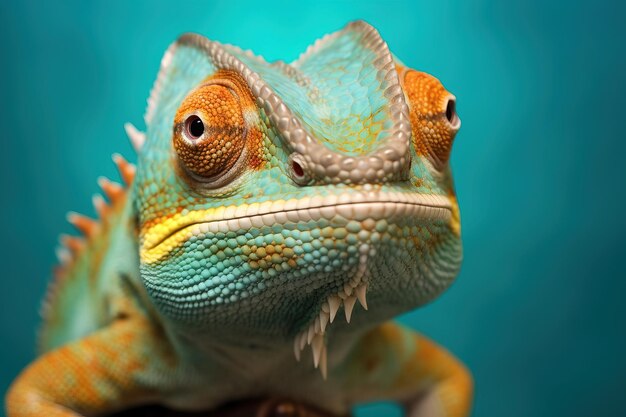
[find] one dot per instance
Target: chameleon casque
(269, 199)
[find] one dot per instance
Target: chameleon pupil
(450, 111)
(195, 127)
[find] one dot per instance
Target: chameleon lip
(351, 206)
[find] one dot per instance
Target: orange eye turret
(210, 130)
(433, 116)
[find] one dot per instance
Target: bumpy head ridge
(313, 160)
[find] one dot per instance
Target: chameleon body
(279, 216)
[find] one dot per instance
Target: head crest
(339, 104)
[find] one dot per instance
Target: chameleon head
(273, 195)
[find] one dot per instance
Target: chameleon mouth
(374, 204)
(367, 203)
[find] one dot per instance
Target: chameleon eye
(210, 133)
(451, 115)
(194, 127)
(434, 119)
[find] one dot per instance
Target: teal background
(538, 312)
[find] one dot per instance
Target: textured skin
(311, 188)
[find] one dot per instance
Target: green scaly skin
(310, 204)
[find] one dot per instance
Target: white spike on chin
(325, 307)
(317, 346)
(302, 341)
(333, 302)
(361, 293)
(310, 334)
(296, 348)
(348, 304)
(324, 318)
(137, 138)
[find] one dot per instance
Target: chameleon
(279, 216)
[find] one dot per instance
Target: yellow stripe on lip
(161, 238)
